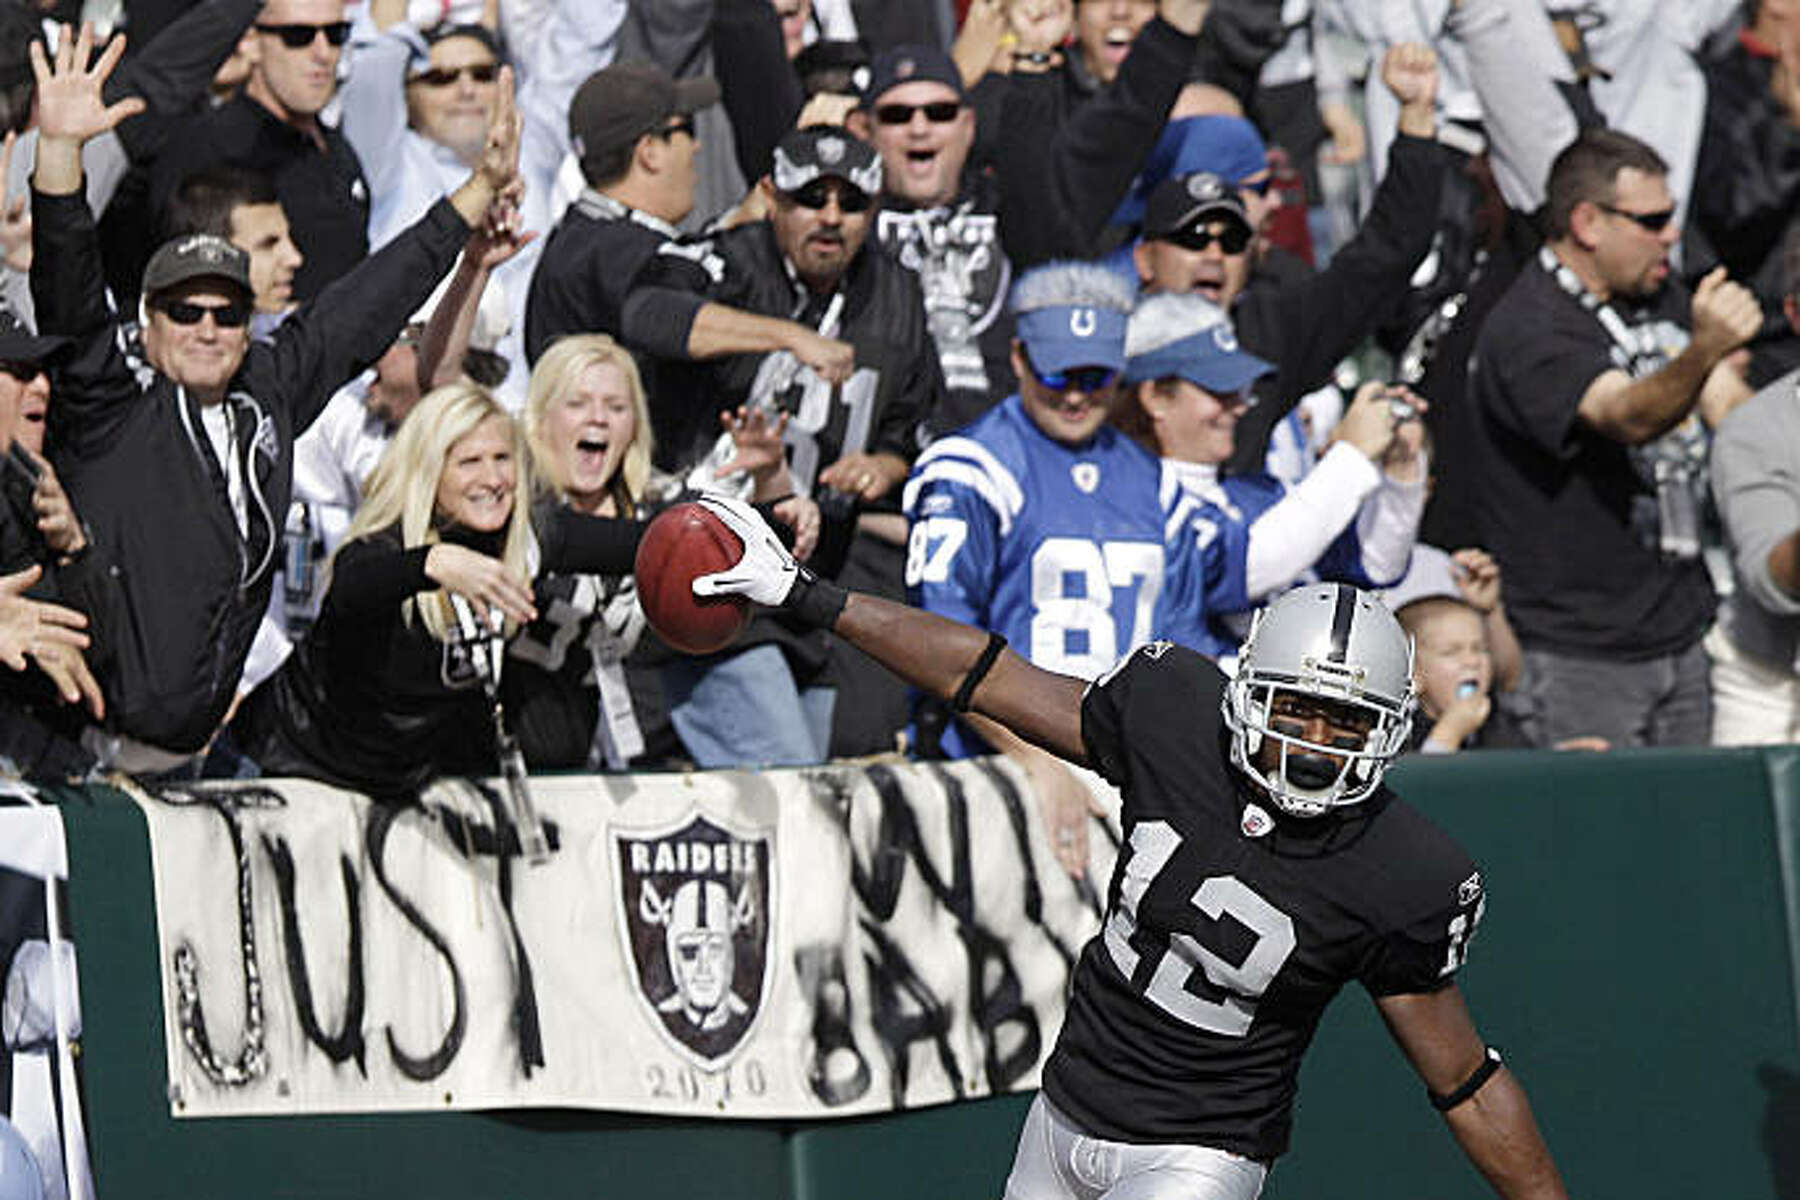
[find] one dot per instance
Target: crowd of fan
(345, 349)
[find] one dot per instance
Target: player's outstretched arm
(1494, 1124)
(928, 651)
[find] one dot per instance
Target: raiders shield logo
(694, 905)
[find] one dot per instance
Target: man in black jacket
(46, 563)
(182, 462)
(965, 227)
(1306, 326)
(801, 314)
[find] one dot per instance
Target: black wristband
(965, 694)
(1471, 1085)
(816, 601)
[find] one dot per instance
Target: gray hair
(1170, 317)
(1072, 285)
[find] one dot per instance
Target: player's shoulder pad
(1441, 872)
(1160, 658)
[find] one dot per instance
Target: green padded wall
(1636, 964)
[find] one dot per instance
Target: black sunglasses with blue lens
(1078, 379)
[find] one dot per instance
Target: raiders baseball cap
(616, 106)
(1185, 201)
(196, 256)
(1071, 315)
(19, 345)
(818, 151)
(1182, 335)
(912, 64)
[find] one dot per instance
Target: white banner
(800, 943)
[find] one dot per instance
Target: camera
(1402, 408)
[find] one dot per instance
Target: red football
(683, 542)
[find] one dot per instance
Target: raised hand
(499, 162)
(70, 105)
(756, 443)
(1726, 314)
(1041, 25)
(501, 235)
(1368, 423)
(1410, 72)
(1477, 578)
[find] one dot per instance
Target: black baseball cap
(19, 345)
(1186, 201)
(817, 151)
(910, 64)
(616, 106)
(477, 33)
(197, 256)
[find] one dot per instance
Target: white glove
(766, 573)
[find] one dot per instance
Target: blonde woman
(383, 695)
(588, 423)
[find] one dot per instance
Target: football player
(1258, 799)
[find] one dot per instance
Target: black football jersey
(1192, 1007)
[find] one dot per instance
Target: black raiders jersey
(1192, 1007)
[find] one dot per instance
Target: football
(684, 542)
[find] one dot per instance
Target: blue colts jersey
(1060, 549)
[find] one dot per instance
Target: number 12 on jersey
(1153, 844)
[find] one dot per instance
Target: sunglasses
(1260, 187)
(24, 372)
(817, 195)
(438, 77)
(678, 125)
(299, 37)
(1232, 239)
(225, 316)
(1079, 379)
(938, 112)
(1653, 222)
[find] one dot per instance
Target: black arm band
(965, 695)
(816, 601)
(1471, 1085)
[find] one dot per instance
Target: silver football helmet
(1330, 642)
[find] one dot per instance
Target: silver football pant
(1057, 1161)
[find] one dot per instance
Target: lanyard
(1635, 351)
